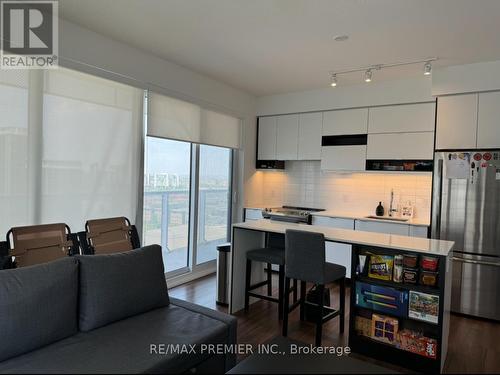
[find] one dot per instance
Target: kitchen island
(434, 326)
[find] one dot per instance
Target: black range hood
(270, 164)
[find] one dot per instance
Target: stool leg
(319, 317)
(248, 276)
(269, 280)
(295, 291)
(282, 292)
(342, 304)
(286, 307)
(302, 300)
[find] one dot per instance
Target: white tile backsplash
(303, 183)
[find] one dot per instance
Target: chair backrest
(37, 244)
(5, 258)
(305, 256)
(107, 236)
(276, 240)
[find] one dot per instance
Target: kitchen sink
(388, 218)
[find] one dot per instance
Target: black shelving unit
(386, 352)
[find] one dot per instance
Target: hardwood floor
(474, 345)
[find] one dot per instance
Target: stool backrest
(276, 240)
(305, 256)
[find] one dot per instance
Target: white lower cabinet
(379, 227)
(336, 252)
(418, 231)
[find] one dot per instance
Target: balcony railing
(166, 217)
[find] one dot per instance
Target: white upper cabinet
(310, 131)
(345, 121)
(343, 158)
(267, 138)
(402, 118)
(457, 122)
(287, 131)
(488, 130)
(401, 146)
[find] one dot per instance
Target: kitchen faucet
(391, 209)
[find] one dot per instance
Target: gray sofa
(106, 314)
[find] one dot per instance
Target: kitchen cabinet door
(335, 252)
(338, 253)
(402, 118)
(333, 222)
(456, 122)
(382, 227)
(488, 128)
(267, 139)
(287, 137)
(418, 231)
(310, 132)
(401, 146)
(345, 121)
(343, 158)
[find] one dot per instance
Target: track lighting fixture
(333, 82)
(427, 68)
(368, 70)
(368, 75)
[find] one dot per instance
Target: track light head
(427, 68)
(333, 81)
(368, 75)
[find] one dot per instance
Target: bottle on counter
(380, 210)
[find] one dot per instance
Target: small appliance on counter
(290, 214)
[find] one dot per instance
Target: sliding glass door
(214, 200)
(167, 182)
(187, 195)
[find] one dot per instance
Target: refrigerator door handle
(436, 232)
(479, 262)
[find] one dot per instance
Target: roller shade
(176, 119)
(220, 130)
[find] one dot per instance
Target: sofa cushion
(117, 286)
(125, 346)
(38, 305)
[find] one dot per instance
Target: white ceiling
(275, 46)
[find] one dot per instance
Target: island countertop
(356, 237)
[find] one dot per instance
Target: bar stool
(305, 261)
(273, 253)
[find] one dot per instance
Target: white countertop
(348, 215)
(389, 241)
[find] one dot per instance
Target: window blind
(70, 148)
(180, 120)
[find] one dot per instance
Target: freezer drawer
(478, 280)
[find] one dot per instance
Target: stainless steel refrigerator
(466, 209)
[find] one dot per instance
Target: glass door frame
(192, 245)
(194, 206)
(193, 227)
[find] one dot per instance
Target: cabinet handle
(476, 262)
